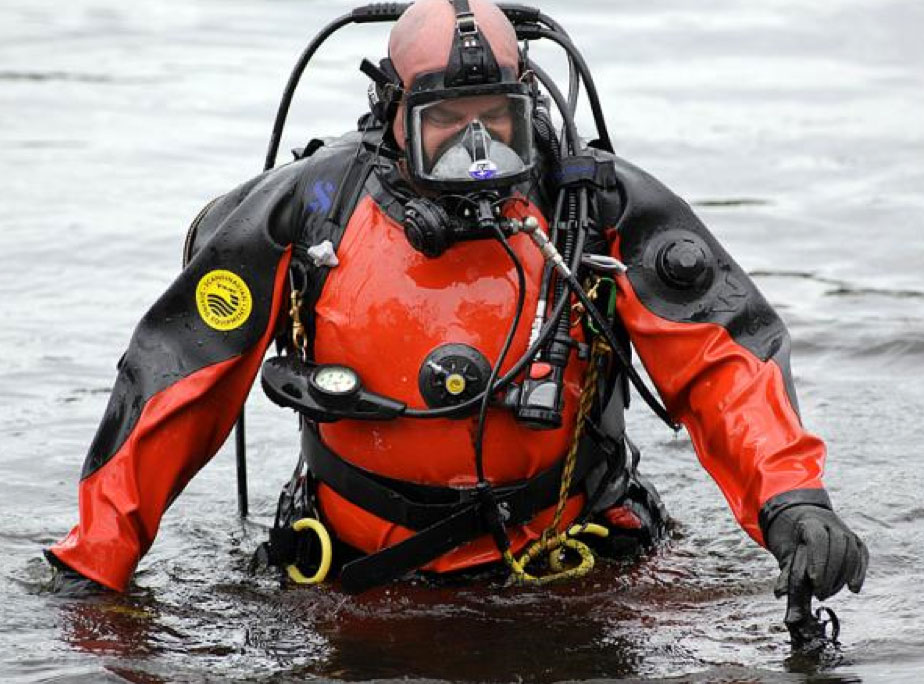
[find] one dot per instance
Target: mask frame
(413, 143)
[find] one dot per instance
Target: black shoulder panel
(173, 340)
(244, 232)
(330, 195)
(321, 166)
(211, 217)
(681, 273)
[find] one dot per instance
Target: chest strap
(443, 517)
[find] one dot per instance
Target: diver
(455, 290)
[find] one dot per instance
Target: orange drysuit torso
(382, 311)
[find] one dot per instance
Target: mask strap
(471, 60)
(385, 91)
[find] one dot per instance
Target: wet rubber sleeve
(184, 378)
(715, 349)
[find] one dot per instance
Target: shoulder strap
(330, 194)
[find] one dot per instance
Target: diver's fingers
(855, 582)
(781, 587)
(799, 579)
(836, 567)
(799, 588)
(815, 539)
(851, 561)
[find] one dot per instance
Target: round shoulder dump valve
(681, 263)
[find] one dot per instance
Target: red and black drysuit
(714, 348)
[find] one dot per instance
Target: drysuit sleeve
(715, 349)
(184, 378)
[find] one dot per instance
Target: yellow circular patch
(455, 384)
(223, 300)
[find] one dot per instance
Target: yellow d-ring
(327, 552)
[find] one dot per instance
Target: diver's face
(441, 122)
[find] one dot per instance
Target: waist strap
(444, 517)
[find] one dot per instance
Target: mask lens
(481, 139)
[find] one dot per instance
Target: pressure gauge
(334, 386)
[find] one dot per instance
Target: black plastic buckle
(493, 515)
(467, 24)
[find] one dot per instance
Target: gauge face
(336, 380)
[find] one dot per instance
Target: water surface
(795, 130)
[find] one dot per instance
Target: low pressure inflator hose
(550, 253)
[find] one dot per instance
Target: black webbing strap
(471, 59)
(585, 171)
(350, 172)
(404, 503)
(445, 517)
(464, 17)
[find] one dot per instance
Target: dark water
(796, 129)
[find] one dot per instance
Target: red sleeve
(715, 349)
(734, 405)
(178, 431)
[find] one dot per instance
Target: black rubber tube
(240, 450)
(574, 76)
(511, 332)
(571, 135)
(283, 111)
(590, 87)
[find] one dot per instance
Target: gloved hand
(818, 554)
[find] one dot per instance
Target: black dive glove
(818, 554)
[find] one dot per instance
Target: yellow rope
(552, 541)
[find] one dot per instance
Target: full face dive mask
(469, 140)
(471, 143)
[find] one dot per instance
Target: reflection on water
(795, 132)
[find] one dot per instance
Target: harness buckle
(467, 25)
(492, 514)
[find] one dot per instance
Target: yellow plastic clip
(327, 552)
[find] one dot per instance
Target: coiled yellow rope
(552, 541)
